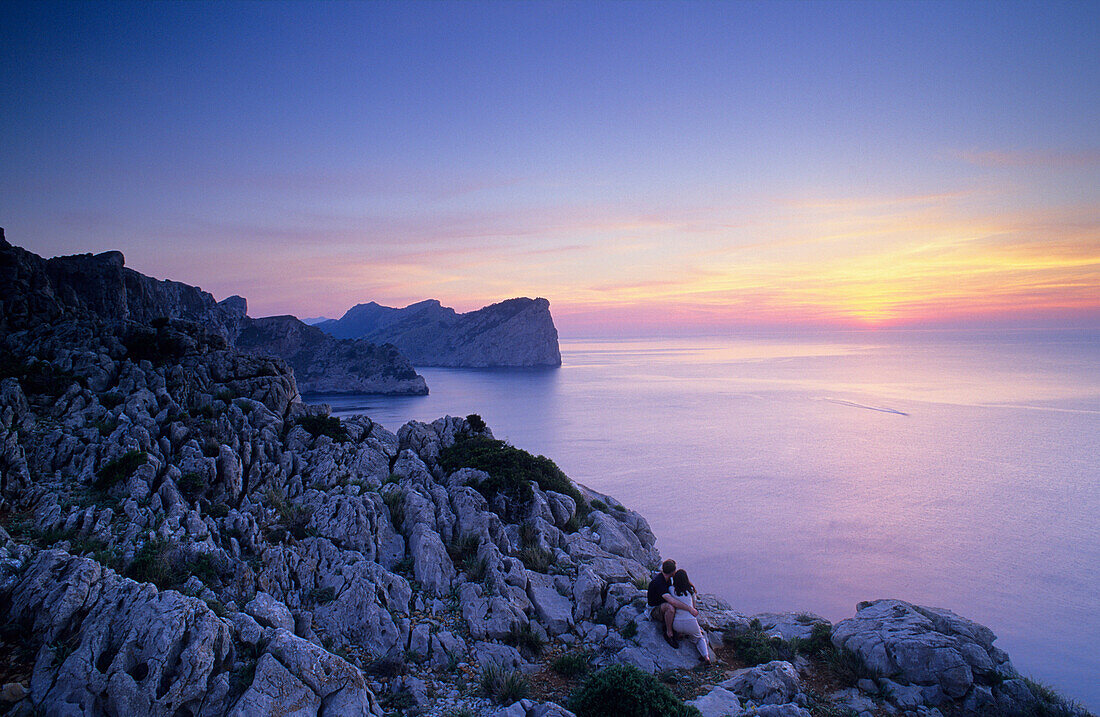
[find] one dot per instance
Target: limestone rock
(516, 332)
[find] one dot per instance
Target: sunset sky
(648, 167)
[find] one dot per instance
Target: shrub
(37, 377)
(192, 485)
(477, 425)
(817, 643)
(293, 518)
(154, 563)
(626, 691)
(322, 596)
(503, 686)
(511, 470)
(845, 665)
(572, 664)
(119, 469)
(325, 426)
(539, 560)
(598, 505)
(395, 501)
(630, 630)
(525, 638)
(753, 646)
(389, 665)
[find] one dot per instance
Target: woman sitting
(685, 622)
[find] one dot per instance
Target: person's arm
(680, 605)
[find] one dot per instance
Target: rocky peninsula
(181, 535)
(514, 333)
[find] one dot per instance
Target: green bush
(325, 426)
(753, 646)
(192, 485)
(630, 630)
(626, 691)
(119, 469)
(511, 470)
(477, 424)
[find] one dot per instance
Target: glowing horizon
(647, 168)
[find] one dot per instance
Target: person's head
(681, 584)
(668, 568)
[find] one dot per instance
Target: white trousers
(685, 624)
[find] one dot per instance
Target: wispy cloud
(1030, 158)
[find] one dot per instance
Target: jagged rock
(270, 612)
(647, 650)
(492, 653)
(789, 625)
(516, 332)
(341, 686)
(530, 708)
(718, 702)
(133, 649)
(554, 610)
(275, 691)
(431, 564)
(323, 364)
(587, 593)
(931, 648)
(774, 683)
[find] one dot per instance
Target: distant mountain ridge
(517, 332)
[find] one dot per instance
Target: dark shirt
(658, 586)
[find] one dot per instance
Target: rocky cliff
(324, 364)
(181, 535)
(516, 332)
(99, 290)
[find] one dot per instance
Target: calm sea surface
(958, 470)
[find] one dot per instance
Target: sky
(648, 167)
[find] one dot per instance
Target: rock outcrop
(99, 291)
(516, 332)
(323, 364)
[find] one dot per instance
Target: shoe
(673, 641)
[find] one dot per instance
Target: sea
(811, 472)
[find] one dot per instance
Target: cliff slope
(516, 332)
(98, 293)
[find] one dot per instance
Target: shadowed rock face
(324, 364)
(516, 332)
(99, 290)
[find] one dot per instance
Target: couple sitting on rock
(672, 603)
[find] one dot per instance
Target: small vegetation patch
(193, 485)
(35, 377)
(477, 424)
(503, 686)
(119, 469)
(329, 426)
(154, 563)
(322, 596)
(572, 664)
(626, 691)
(511, 470)
(526, 639)
(292, 519)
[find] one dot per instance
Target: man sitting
(662, 605)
